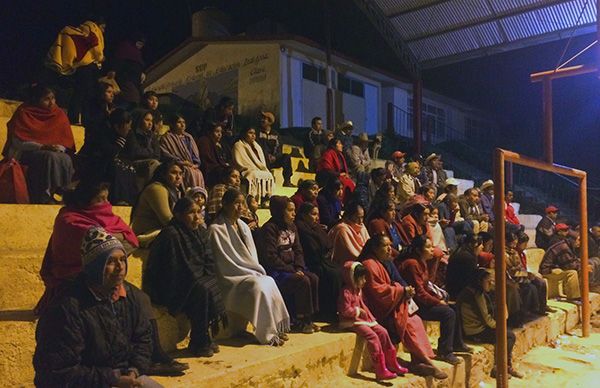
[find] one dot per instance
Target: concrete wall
(249, 73)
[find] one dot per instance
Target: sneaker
(316, 328)
(215, 347)
(202, 351)
(450, 358)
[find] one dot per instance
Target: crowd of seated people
(373, 250)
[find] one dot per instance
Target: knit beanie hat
(96, 247)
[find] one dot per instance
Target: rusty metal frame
(501, 157)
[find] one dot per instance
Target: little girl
(251, 218)
(355, 316)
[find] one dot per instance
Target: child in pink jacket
(354, 315)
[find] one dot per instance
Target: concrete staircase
(317, 360)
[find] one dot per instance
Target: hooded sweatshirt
(351, 302)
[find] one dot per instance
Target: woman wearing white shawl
(247, 289)
(249, 158)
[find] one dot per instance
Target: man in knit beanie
(95, 335)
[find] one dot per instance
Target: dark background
(499, 84)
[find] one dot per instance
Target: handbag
(437, 291)
(13, 185)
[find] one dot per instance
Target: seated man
(96, 334)
(513, 225)
(487, 198)
(545, 229)
(360, 160)
(434, 171)
(316, 142)
(271, 145)
(561, 264)
(471, 210)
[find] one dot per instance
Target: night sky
(499, 84)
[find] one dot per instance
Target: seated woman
(477, 311)
(389, 302)
(179, 145)
(250, 160)
(519, 287)
(329, 201)
(214, 156)
(308, 190)
(432, 300)
(349, 236)
(414, 221)
(39, 136)
(142, 148)
(96, 334)
(247, 290)
(102, 156)
(462, 265)
(332, 166)
(383, 221)
(317, 250)
(535, 278)
(153, 209)
(99, 109)
(180, 275)
(230, 179)
(281, 255)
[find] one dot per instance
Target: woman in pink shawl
(349, 236)
(86, 206)
(179, 145)
(389, 298)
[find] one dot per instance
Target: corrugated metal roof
(444, 31)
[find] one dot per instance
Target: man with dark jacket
(270, 143)
(545, 229)
(95, 335)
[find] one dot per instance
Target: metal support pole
(548, 122)
(585, 286)
(418, 115)
(500, 253)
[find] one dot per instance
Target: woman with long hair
(40, 137)
(329, 201)
(432, 300)
(332, 165)
(282, 257)
(179, 145)
(317, 249)
(249, 293)
(389, 302)
(153, 208)
(349, 236)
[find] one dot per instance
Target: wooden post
(417, 115)
(548, 123)
(500, 253)
(585, 286)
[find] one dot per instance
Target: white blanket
(247, 289)
(253, 168)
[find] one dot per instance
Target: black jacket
(82, 341)
(462, 268)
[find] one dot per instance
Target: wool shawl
(315, 243)
(62, 260)
(348, 241)
(247, 290)
(385, 297)
(246, 159)
(174, 145)
(179, 259)
(40, 125)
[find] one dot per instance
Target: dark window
(313, 73)
(350, 86)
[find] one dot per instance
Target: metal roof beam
(486, 19)
(581, 29)
(417, 8)
(392, 37)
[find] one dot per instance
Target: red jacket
(510, 215)
(416, 273)
(330, 161)
(380, 226)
